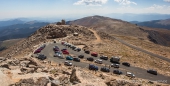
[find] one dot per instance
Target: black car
(41, 56)
(126, 64)
(152, 71)
(104, 69)
(87, 52)
(81, 56)
(77, 49)
(104, 57)
(76, 59)
(73, 47)
(90, 59)
(117, 72)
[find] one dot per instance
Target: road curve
(139, 72)
(142, 50)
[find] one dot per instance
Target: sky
(73, 8)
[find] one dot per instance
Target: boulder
(5, 66)
(73, 77)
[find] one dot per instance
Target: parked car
(76, 59)
(90, 59)
(104, 69)
(99, 61)
(94, 54)
(63, 43)
(41, 48)
(104, 57)
(73, 47)
(77, 49)
(68, 63)
(115, 59)
(117, 72)
(151, 71)
(55, 48)
(129, 74)
(93, 67)
(115, 65)
(126, 64)
(41, 57)
(58, 54)
(37, 51)
(65, 52)
(87, 51)
(81, 56)
(64, 49)
(69, 58)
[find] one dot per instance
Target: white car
(129, 74)
(59, 55)
(99, 61)
(115, 65)
(68, 63)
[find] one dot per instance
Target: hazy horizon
(79, 8)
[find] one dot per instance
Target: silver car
(59, 55)
(68, 63)
(115, 65)
(99, 61)
(129, 74)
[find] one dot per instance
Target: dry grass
(136, 58)
(147, 45)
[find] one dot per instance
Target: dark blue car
(93, 67)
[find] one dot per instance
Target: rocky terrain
(29, 71)
(20, 69)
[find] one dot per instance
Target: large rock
(73, 77)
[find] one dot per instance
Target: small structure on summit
(62, 22)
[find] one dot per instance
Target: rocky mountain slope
(119, 27)
(50, 31)
(111, 26)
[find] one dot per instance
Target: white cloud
(90, 2)
(125, 2)
(167, 0)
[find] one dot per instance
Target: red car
(62, 43)
(37, 51)
(94, 54)
(65, 52)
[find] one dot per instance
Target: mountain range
(164, 24)
(138, 17)
(19, 29)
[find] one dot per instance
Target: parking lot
(138, 72)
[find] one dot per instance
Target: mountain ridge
(120, 27)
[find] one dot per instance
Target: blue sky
(73, 8)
